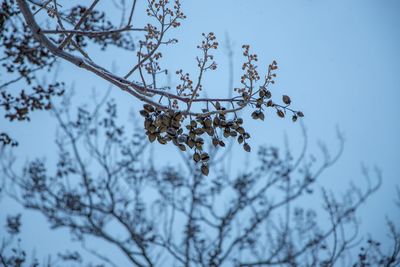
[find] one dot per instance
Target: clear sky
(339, 60)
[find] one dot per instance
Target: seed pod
(182, 147)
(286, 99)
(147, 123)
(158, 122)
(215, 142)
(204, 169)
(230, 123)
(161, 140)
(192, 135)
(227, 133)
(196, 157)
(152, 137)
(166, 120)
(205, 157)
(182, 138)
(216, 121)
(210, 131)
(200, 141)
(171, 131)
(191, 143)
(254, 115)
(294, 118)
(149, 108)
(240, 130)
(207, 123)
(199, 131)
(261, 116)
(300, 114)
(280, 113)
(178, 116)
(144, 113)
(152, 129)
(176, 124)
(246, 147)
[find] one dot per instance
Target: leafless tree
(105, 180)
(174, 216)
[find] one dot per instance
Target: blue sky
(339, 61)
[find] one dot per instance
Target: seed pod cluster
(166, 126)
(163, 126)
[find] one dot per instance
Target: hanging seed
(191, 143)
(199, 131)
(152, 129)
(192, 135)
(240, 130)
(149, 108)
(182, 147)
(280, 113)
(207, 123)
(152, 137)
(215, 142)
(171, 131)
(196, 157)
(205, 157)
(286, 99)
(144, 113)
(210, 131)
(254, 115)
(204, 169)
(227, 133)
(161, 140)
(216, 121)
(246, 135)
(176, 124)
(147, 123)
(246, 147)
(182, 138)
(178, 116)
